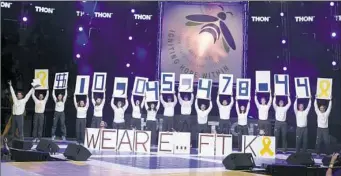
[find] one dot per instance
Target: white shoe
(34, 140)
(37, 140)
(63, 138)
(53, 137)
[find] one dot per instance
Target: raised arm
(146, 105)
(289, 103)
(308, 107)
(46, 96)
(87, 102)
(231, 103)
(93, 101)
(103, 100)
(142, 102)
(192, 98)
(180, 99)
(65, 96)
(316, 106)
(28, 95)
(247, 107)
(196, 105)
(158, 105)
(75, 101)
(270, 101)
(175, 100)
(329, 107)
(218, 101)
(237, 108)
(126, 104)
(295, 106)
(35, 99)
(162, 100)
(113, 106)
(256, 101)
(54, 95)
(209, 107)
(274, 104)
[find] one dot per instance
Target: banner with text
(203, 39)
(259, 146)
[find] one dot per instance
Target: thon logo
(44, 9)
(6, 5)
(304, 18)
(142, 17)
(260, 19)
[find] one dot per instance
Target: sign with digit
(302, 87)
(186, 83)
(152, 91)
(225, 84)
(99, 82)
(281, 84)
(204, 88)
(167, 82)
(82, 85)
(120, 87)
(243, 90)
(139, 88)
(61, 80)
(263, 80)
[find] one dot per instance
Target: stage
(121, 163)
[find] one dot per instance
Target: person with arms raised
(242, 121)
(281, 125)
(18, 110)
(224, 113)
(98, 104)
(168, 113)
(82, 110)
(59, 114)
(301, 122)
(38, 118)
(119, 110)
(202, 113)
(136, 114)
(186, 110)
(151, 119)
(263, 114)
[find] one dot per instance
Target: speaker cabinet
(29, 155)
(239, 161)
(301, 159)
(47, 146)
(22, 145)
(77, 152)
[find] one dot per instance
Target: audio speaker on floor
(29, 155)
(77, 152)
(45, 145)
(301, 159)
(239, 161)
(22, 145)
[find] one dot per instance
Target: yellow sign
(324, 88)
(266, 141)
(43, 75)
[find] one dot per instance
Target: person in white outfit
(151, 119)
(322, 135)
(38, 118)
(168, 113)
(202, 114)
(242, 121)
(18, 110)
(281, 125)
(263, 113)
(136, 114)
(98, 104)
(82, 110)
(119, 111)
(224, 113)
(186, 110)
(59, 114)
(301, 122)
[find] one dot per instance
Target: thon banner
(203, 39)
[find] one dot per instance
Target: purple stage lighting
(130, 38)
(333, 63)
(80, 29)
(331, 4)
(128, 65)
(285, 68)
(333, 34)
(282, 14)
(284, 41)
(132, 10)
(24, 19)
(78, 56)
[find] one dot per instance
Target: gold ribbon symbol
(266, 146)
(42, 76)
(324, 87)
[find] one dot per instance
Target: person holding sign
(18, 110)
(263, 113)
(242, 121)
(322, 125)
(137, 106)
(59, 114)
(151, 119)
(202, 113)
(168, 112)
(38, 119)
(119, 110)
(186, 110)
(98, 104)
(224, 112)
(301, 122)
(82, 109)
(280, 123)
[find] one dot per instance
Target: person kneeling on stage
(168, 113)
(82, 109)
(18, 109)
(202, 113)
(224, 112)
(119, 110)
(151, 120)
(242, 122)
(186, 110)
(263, 113)
(59, 114)
(322, 125)
(280, 123)
(38, 119)
(137, 106)
(301, 122)
(98, 110)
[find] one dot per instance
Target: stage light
(24, 19)
(132, 10)
(128, 65)
(284, 41)
(333, 34)
(130, 38)
(333, 63)
(282, 14)
(78, 56)
(80, 29)
(133, 53)
(331, 4)
(285, 68)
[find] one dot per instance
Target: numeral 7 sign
(225, 84)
